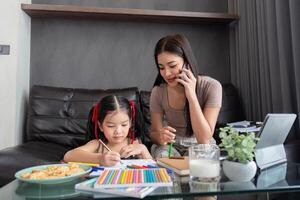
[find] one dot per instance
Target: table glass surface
(281, 178)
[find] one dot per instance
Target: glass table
(284, 178)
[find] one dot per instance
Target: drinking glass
(204, 162)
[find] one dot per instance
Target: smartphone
(185, 66)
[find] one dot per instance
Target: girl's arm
(203, 121)
(137, 148)
(145, 154)
(86, 153)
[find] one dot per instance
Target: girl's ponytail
(95, 120)
(92, 124)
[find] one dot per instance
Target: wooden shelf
(73, 11)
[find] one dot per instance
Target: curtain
(265, 57)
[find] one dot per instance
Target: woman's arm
(203, 120)
(203, 123)
(156, 125)
(159, 134)
(85, 153)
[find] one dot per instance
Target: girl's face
(116, 126)
(170, 66)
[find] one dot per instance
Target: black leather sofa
(56, 122)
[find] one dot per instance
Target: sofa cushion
(231, 109)
(145, 109)
(60, 115)
(26, 155)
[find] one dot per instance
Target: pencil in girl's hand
(106, 147)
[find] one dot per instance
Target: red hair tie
(95, 119)
(131, 103)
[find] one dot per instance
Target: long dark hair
(107, 105)
(179, 45)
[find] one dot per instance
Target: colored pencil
(106, 147)
(83, 163)
(101, 179)
(170, 149)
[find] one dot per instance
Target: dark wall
(115, 54)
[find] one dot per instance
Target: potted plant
(240, 147)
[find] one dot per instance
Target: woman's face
(116, 126)
(170, 66)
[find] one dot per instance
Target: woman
(184, 106)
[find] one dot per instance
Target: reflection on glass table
(43, 191)
(280, 179)
(272, 176)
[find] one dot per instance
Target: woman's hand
(188, 80)
(166, 135)
(110, 158)
(135, 149)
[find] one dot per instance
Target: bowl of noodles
(52, 174)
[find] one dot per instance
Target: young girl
(184, 106)
(109, 121)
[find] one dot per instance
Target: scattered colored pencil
(83, 163)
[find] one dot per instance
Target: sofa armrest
(32, 153)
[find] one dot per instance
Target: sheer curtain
(265, 57)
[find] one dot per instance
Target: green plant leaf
(240, 147)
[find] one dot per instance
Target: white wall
(14, 71)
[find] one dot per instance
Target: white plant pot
(238, 171)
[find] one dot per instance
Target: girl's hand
(135, 149)
(167, 135)
(110, 158)
(188, 80)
